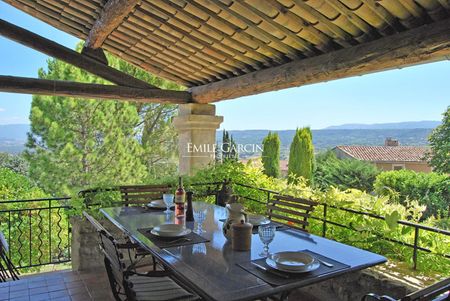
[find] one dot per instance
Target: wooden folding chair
(439, 291)
(293, 212)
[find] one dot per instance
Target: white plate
(312, 267)
(257, 220)
(292, 261)
(170, 230)
(157, 204)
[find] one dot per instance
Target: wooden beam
(13, 84)
(70, 56)
(110, 17)
(423, 44)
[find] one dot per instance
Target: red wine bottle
(180, 196)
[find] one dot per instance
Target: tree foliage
(343, 173)
(360, 231)
(271, 155)
(439, 139)
(301, 155)
(429, 189)
(16, 163)
(76, 143)
(14, 186)
(229, 147)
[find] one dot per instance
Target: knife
(262, 268)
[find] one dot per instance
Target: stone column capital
(192, 122)
(196, 125)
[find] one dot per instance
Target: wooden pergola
(224, 49)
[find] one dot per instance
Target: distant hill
(14, 131)
(13, 137)
(326, 139)
(426, 124)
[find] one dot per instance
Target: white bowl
(170, 230)
(292, 261)
(159, 204)
(257, 220)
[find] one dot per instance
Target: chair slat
(296, 200)
(289, 219)
(288, 211)
(291, 211)
(142, 194)
(429, 292)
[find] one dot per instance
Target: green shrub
(429, 189)
(360, 231)
(16, 163)
(344, 173)
(17, 217)
(16, 186)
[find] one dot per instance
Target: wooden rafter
(14, 84)
(112, 14)
(423, 44)
(70, 56)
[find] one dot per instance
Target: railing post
(50, 230)
(29, 237)
(324, 224)
(416, 241)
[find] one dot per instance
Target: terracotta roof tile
(385, 153)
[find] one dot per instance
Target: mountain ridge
(13, 137)
(423, 124)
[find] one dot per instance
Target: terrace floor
(58, 286)
(68, 285)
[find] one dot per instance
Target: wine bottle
(180, 196)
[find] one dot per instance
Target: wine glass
(168, 200)
(200, 211)
(266, 234)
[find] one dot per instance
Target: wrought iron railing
(37, 230)
(39, 233)
(325, 221)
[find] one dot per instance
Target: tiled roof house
(390, 156)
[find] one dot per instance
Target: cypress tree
(301, 154)
(271, 155)
(294, 156)
(307, 154)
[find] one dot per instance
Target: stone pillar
(196, 125)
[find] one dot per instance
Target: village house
(390, 156)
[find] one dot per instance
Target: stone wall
(86, 254)
(353, 286)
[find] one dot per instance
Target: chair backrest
(432, 292)
(291, 211)
(142, 194)
(114, 264)
(7, 269)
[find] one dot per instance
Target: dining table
(211, 267)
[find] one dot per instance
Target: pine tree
(271, 155)
(78, 143)
(301, 155)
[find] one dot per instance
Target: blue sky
(410, 94)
